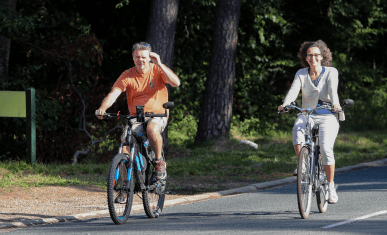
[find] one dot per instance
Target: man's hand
(155, 58)
(99, 112)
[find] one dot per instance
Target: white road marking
(356, 219)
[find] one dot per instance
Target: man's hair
(142, 46)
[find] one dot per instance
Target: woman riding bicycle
(318, 83)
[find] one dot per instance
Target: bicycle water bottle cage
(140, 112)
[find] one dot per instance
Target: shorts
(138, 127)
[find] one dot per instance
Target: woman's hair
(325, 52)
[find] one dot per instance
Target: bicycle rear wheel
(304, 186)
(120, 188)
(153, 198)
(322, 192)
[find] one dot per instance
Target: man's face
(141, 59)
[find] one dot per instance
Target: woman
(318, 82)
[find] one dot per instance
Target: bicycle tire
(322, 193)
(304, 186)
(153, 198)
(116, 183)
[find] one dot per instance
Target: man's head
(140, 53)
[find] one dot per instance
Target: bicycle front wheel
(304, 185)
(153, 198)
(322, 192)
(120, 188)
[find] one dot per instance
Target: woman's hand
(336, 107)
(281, 108)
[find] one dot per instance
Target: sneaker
(333, 198)
(295, 172)
(161, 170)
(120, 199)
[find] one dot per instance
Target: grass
(212, 163)
(21, 174)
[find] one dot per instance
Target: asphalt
(186, 200)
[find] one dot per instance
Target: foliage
(96, 36)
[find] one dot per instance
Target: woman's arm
(333, 82)
(293, 91)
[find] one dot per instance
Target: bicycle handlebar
(147, 114)
(167, 105)
(309, 110)
(347, 103)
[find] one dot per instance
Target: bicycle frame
(140, 167)
(310, 143)
(315, 182)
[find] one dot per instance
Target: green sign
(21, 104)
(13, 104)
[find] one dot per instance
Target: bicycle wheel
(120, 187)
(153, 198)
(304, 186)
(322, 192)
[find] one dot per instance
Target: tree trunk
(161, 29)
(216, 112)
(161, 35)
(5, 43)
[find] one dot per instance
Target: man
(145, 85)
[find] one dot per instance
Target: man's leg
(155, 139)
(154, 129)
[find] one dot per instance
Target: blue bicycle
(134, 173)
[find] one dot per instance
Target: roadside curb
(188, 199)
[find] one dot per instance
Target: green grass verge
(212, 162)
(274, 158)
(21, 174)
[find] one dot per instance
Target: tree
(161, 28)
(216, 112)
(5, 43)
(161, 34)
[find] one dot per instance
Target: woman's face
(313, 56)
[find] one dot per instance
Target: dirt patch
(19, 204)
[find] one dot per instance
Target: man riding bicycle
(145, 85)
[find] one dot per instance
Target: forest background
(97, 36)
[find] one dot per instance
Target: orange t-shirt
(144, 89)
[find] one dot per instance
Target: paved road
(273, 211)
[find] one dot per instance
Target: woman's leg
(330, 172)
(298, 136)
(297, 148)
(329, 128)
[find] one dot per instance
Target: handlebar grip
(157, 115)
(169, 105)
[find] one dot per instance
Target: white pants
(329, 128)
